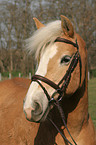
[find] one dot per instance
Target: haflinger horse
(56, 104)
(58, 94)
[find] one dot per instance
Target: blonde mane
(42, 37)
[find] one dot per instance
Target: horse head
(61, 53)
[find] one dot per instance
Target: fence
(10, 76)
(19, 75)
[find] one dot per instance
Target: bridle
(65, 79)
(60, 88)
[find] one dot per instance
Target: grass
(5, 75)
(92, 99)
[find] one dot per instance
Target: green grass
(14, 74)
(92, 99)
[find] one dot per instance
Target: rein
(64, 81)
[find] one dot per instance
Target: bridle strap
(58, 39)
(62, 89)
(47, 81)
(59, 131)
(79, 57)
(63, 119)
(65, 79)
(71, 68)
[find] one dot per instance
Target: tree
(17, 25)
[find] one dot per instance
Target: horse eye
(65, 59)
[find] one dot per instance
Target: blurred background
(16, 25)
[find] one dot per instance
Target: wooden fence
(10, 76)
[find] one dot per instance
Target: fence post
(9, 75)
(29, 75)
(19, 75)
(88, 75)
(0, 77)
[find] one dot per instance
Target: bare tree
(17, 25)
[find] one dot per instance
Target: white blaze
(33, 92)
(49, 53)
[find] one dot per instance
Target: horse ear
(38, 23)
(67, 26)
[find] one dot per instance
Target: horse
(59, 90)
(56, 102)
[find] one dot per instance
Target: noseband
(64, 82)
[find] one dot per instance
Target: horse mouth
(37, 114)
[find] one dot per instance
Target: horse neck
(75, 109)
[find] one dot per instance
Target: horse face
(53, 65)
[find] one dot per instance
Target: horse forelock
(42, 37)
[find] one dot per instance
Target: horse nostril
(38, 108)
(28, 113)
(35, 111)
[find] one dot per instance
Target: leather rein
(64, 82)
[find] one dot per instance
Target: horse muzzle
(36, 111)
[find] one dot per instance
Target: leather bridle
(60, 88)
(66, 79)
